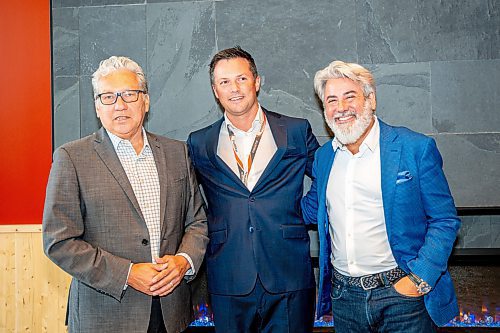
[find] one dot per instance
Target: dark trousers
(264, 312)
(156, 324)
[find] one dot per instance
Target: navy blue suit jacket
(258, 233)
(419, 211)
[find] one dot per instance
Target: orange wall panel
(25, 114)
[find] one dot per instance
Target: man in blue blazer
(385, 215)
(251, 165)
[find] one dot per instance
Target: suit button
(251, 229)
(145, 242)
(252, 199)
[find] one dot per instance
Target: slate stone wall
(436, 64)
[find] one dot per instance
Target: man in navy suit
(251, 165)
(386, 218)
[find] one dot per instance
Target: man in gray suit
(124, 216)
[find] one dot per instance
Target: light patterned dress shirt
(143, 177)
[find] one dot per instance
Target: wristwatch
(422, 286)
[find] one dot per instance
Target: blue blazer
(419, 211)
(258, 233)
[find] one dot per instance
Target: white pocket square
(403, 176)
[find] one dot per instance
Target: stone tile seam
(113, 5)
(464, 133)
(214, 11)
(136, 4)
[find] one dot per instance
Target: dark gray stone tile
(290, 41)
(427, 30)
(89, 121)
(282, 102)
(495, 231)
(465, 96)
(112, 30)
(65, 41)
(167, 1)
(65, 3)
(475, 232)
(66, 109)
(181, 42)
(471, 165)
(116, 2)
(459, 241)
(403, 95)
(314, 243)
(324, 139)
(70, 3)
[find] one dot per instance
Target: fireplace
(473, 266)
(476, 275)
(477, 281)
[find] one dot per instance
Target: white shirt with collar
(360, 245)
(244, 141)
(143, 177)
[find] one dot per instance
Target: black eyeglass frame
(120, 94)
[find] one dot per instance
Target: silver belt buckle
(361, 279)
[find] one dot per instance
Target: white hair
(339, 69)
(115, 63)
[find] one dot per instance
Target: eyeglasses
(128, 96)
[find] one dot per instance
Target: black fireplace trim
(470, 211)
(475, 257)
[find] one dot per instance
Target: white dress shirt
(360, 245)
(244, 141)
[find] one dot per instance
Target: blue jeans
(378, 310)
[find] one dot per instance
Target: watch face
(424, 288)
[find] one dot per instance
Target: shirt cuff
(129, 269)
(191, 270)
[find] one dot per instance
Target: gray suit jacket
(93, 229)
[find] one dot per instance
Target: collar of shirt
(370, 142)
(117, 141)
(256, 124)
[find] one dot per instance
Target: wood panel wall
(33, 290)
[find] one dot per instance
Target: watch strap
(422, 286)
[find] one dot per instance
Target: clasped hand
(158, 279)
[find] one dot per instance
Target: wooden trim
(20, 228)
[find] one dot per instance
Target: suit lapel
(323, 177)
(162, 168)
(278, 128)
(324, 168)
(107, 153)
(390, 155)
(212, 143)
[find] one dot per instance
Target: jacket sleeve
(309, 202)
(442, 221)
(63, 228)
(195, 239)
(312, 146)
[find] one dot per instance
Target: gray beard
(347, 135)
